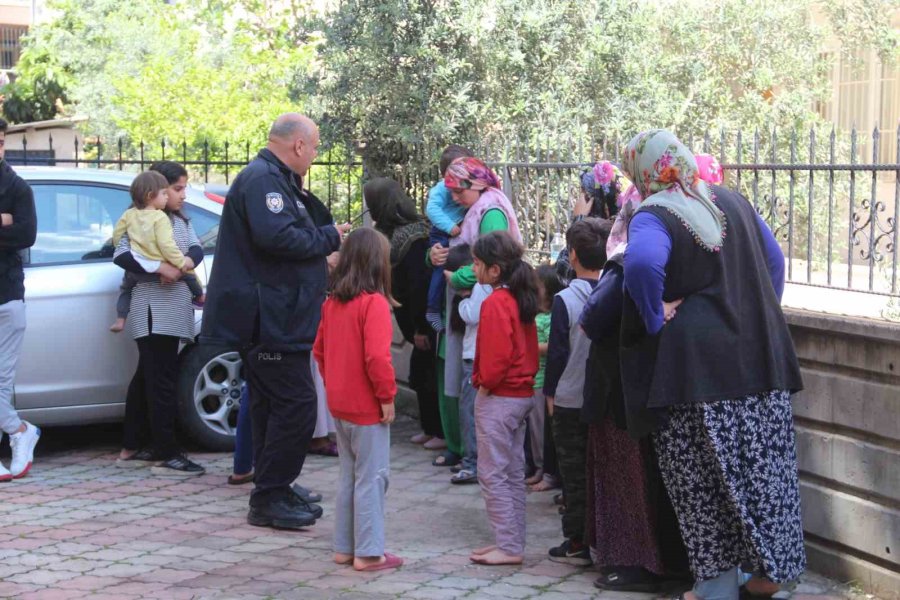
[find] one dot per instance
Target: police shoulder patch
(274, 202)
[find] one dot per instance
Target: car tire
(209, 395)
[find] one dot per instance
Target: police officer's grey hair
(289, 127)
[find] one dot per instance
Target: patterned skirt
(630, 522)
(731, 470)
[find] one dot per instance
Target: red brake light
(215, 197)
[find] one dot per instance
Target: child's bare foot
(481, 551)
(343, 559)
(118, 326)
(542, 486)
(538, 476)
(496, 557)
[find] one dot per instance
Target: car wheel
(209, 395)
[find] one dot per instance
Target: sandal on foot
(390, 562)
(446, 459)
(420, 438)
(464, 477)
(629, 579)
(240, 479)
(329, 449)
(435, 444)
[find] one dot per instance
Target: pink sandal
(390, 562)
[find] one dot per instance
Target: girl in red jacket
(353, 350)
(506, 361)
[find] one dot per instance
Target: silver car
(72, 369)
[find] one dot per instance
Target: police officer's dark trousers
(283, 410)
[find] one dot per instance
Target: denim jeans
(467, 420)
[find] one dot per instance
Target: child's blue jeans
(438, 285)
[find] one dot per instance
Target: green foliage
(545, 71)
(39, 92)
(866, 24)
(187, 71)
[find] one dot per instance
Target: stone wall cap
(857, 326)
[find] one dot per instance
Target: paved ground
(78, 527)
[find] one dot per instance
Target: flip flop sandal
(464, 477)
(240, 479)
(629, 580)
(329, 449)
(390, 562)
(446, 459)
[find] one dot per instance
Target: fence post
(830, 201)
(852, 206)
(873, 206)
(809, 204)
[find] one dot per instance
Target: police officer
(264, 296)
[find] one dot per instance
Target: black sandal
(629, 579)
(240, 479)
(446, 459)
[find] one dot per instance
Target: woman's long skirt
(630, 519)
(731, 470)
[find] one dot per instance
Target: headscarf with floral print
(709, 169)
(665, 173)
(470, 173)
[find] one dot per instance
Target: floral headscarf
(709, 169)
(470, 173)
(628, 202)
(603, 183)
(665, 173)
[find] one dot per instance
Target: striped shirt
(167, 304)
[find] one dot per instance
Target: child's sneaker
(22, 445)
(571, 552)
(5, 475)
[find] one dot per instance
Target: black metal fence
(335, 176)
(830, 200)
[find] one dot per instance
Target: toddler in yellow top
(147, 224)
(151, 236)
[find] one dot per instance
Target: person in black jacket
(395, 215)
(264, 296)
(18, 228)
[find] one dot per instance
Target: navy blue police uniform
(265, 293)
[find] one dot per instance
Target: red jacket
(353, 349)
(506, 350)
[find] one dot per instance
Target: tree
(39, 92)
(427, 72)
(188, 71)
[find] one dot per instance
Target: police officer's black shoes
(281, 513)
(310, 507)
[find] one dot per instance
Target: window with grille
(11, 45)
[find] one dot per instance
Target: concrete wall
(848, 444)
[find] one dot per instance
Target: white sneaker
(22, 445)
(5, 475)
